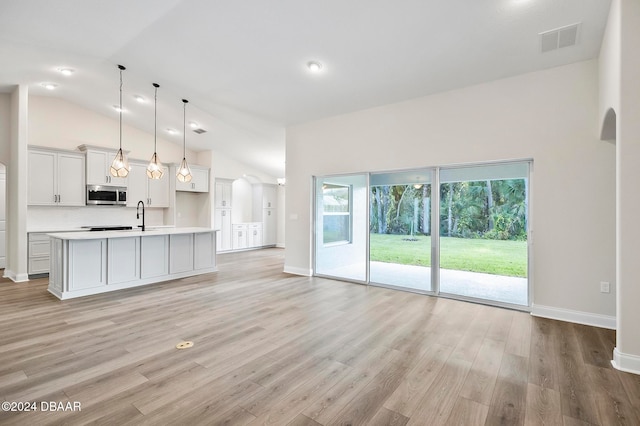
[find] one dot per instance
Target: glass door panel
(400, 229)
(483, 232)
(341, 227)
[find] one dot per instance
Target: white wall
(5, 141)
(549, 116)
(16, 268)
(282, 192)
(627, 352)
(60, 124)
(3, 215)
(242, 201)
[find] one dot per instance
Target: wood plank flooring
(277, 349)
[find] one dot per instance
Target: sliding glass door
(483, 232)
(400, 229)
(341, 227)
(456, 231)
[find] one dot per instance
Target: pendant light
(154, 169)
(184, 172)
(120, 165)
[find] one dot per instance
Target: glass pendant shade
(154, 169)
(120, 165)
(184, 172)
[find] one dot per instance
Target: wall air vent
(559, 37)
(199, 131)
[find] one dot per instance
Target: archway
(608, 129)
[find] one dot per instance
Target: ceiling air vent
(559, 37)
(200, 131)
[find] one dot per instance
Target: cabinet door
(97, 170)
(201, 178)
(269, 195)
(41, 178)
(158, 190)
(155, 256)
(180, 253)
(87, 264)
(255, 237)
(98, 164)
(269, 227)
(70, 175)
(123, 260)
(223, 195)
(223, 223)
(205, 250)
(240, 239)
(137, 189)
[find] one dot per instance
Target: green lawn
(497, 257)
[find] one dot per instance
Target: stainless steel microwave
(100, 195)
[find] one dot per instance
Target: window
(336, 213)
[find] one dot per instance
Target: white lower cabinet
(123, 260)
(38, 253)
(204, 251)
(155, 256)
(87, 264)
(254, 235)
(180, 253)
(239, 236)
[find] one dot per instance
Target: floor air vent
(200, 131)
(559, 37)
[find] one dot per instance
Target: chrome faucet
(138, 213)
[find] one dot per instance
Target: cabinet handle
(59, 198)
(269, 204)
(269, 213)
(55, 198)
(224, 213)
(255, 232)
(224, 203)
(239, 233)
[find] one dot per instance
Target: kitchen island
(85, 263)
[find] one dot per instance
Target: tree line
(492, 209)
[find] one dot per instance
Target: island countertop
(92, 235)
(86, 263)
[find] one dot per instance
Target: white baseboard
(298, 271)
(16, 278)
(625, 362)
(586, 318)
(280, 245)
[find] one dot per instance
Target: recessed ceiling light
(194, 125)
(66, 71)
(172, 131)
(117, 108)
(49, 86)
(314, 66)
(139, 98)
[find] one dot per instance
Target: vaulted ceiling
(243, 64)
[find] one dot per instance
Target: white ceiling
(242, 64)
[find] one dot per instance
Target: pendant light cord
(122, 68)
(184, 129)
(155, 118)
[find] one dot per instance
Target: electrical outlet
(604, 287)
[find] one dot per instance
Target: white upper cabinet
(199, 180)
(153, 192)
(98, 164)
(55, 178)
(223, 194)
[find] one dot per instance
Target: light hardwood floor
(272, 348)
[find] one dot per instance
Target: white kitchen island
(85, 263)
